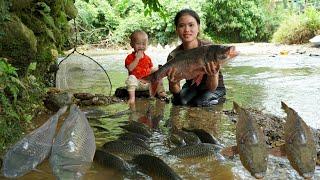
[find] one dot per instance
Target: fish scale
(197, 150)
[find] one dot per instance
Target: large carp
(190, 63)
(74, 146)
(299, 143)
(30, 151)
(251, 143)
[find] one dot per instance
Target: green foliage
(237, 20)
(113, 21)
(297, 29)
(153, 6)
(19, 100)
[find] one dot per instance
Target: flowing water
(260, 82)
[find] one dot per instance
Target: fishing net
(30, 151)
(80, 73)
(74, 146)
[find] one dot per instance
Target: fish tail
(236, 107)
(284, 106)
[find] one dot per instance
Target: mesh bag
(80, 73)
(30, 151)
(74, 146)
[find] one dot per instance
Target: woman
(211, 89)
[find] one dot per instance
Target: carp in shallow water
(125, 147)
(299, 143)
(74, 146)
(251, 143)
(30, 151)
(111, 161)
(196, 150)
(155, 167)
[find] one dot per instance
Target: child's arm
(135, 62)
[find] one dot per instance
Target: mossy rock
(18, 5)
(32, 22)
(70, 9)
(17, 43)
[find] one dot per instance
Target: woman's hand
(212, 68)
(171, 75)
(174, 85)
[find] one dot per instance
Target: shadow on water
(260, 82)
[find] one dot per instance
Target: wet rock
(55, 100)
(88, 99)
(83, 96)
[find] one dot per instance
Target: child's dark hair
(132, 36)
(188, 12)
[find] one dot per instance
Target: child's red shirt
(142, 69)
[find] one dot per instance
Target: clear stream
(260, 82)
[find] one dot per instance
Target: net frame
(76, 51)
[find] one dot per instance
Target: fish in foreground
(190, 64)
(30, 151)
(251, 143)
(125, 147)
(74, 146)
(155, 167)
(300, 145)
(196, 150)
(111, 161)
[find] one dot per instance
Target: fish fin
(197, 80)
(229, 151)
(284, 106)
(236, 107)
(278, 151)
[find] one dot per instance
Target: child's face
(140, 42)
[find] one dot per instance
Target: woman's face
(187, 28)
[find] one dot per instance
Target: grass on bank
(298, 29)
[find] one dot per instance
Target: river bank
(249, 48)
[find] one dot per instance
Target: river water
(260, 82)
